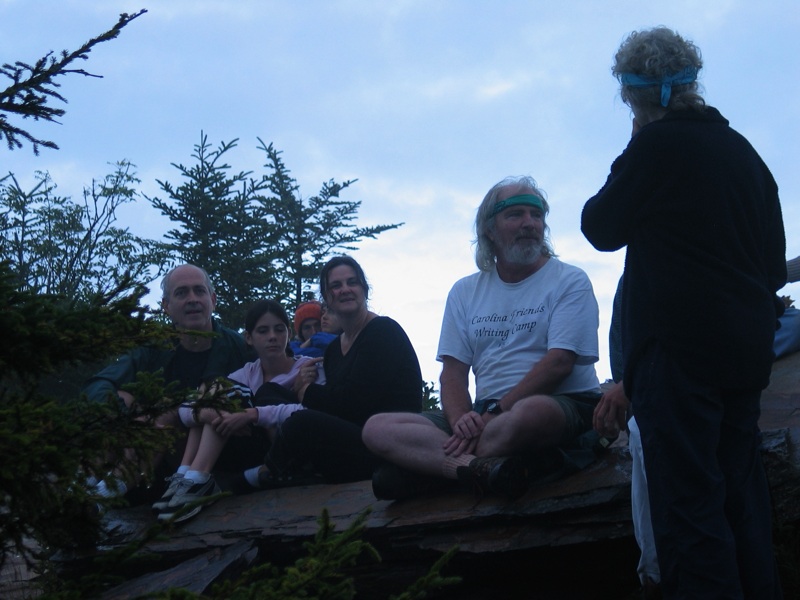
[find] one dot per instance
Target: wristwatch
(494, 407)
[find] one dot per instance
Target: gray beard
(523, 255)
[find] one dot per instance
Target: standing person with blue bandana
(699, 213)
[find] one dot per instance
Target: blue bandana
(521, 199)
(688, 75)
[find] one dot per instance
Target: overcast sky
(427, 103)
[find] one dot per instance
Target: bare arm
(793, 270)
(543, 378)
(467, 425)
(454, 382)
(227, 424)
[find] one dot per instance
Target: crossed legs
(416, 443)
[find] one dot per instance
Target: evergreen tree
(221, 232)
(257, 237)
(75, 250)
(50, 444)
(312, 229)
(34, 85)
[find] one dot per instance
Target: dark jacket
(699, 212)
(228, 353)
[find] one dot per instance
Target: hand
(466, 433)
(611, 413)
(308, 374)
(126, 397)
(207, 415)
(227, 424)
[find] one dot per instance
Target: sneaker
(390, 482)
(504, 476)
(188, 492)
(163, 503)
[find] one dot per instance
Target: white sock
(197, 476)
(106, 491)
(183, 469)
(451, 464)
(251, 475)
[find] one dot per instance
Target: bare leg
(416, 444)
(192, 445)
(537, 421)
(408, 440)
(210, 447)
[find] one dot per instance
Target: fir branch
(35, 85)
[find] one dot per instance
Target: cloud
(427, 104)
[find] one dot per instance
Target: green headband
(524, 199)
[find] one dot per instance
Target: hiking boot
(501, 475)
(163, 503)
(188, 492)
(390, 482)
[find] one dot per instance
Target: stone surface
(585, 516)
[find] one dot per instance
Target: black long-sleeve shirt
(699, 213)
(379, 373)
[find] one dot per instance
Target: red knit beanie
(307, 310)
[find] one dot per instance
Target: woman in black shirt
(370, 368)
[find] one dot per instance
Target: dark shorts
(578, 409)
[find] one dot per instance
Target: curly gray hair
(656, 55)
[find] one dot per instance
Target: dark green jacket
(228, 353)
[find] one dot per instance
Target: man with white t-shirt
(526, 324)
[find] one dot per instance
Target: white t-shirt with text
(503, 329)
